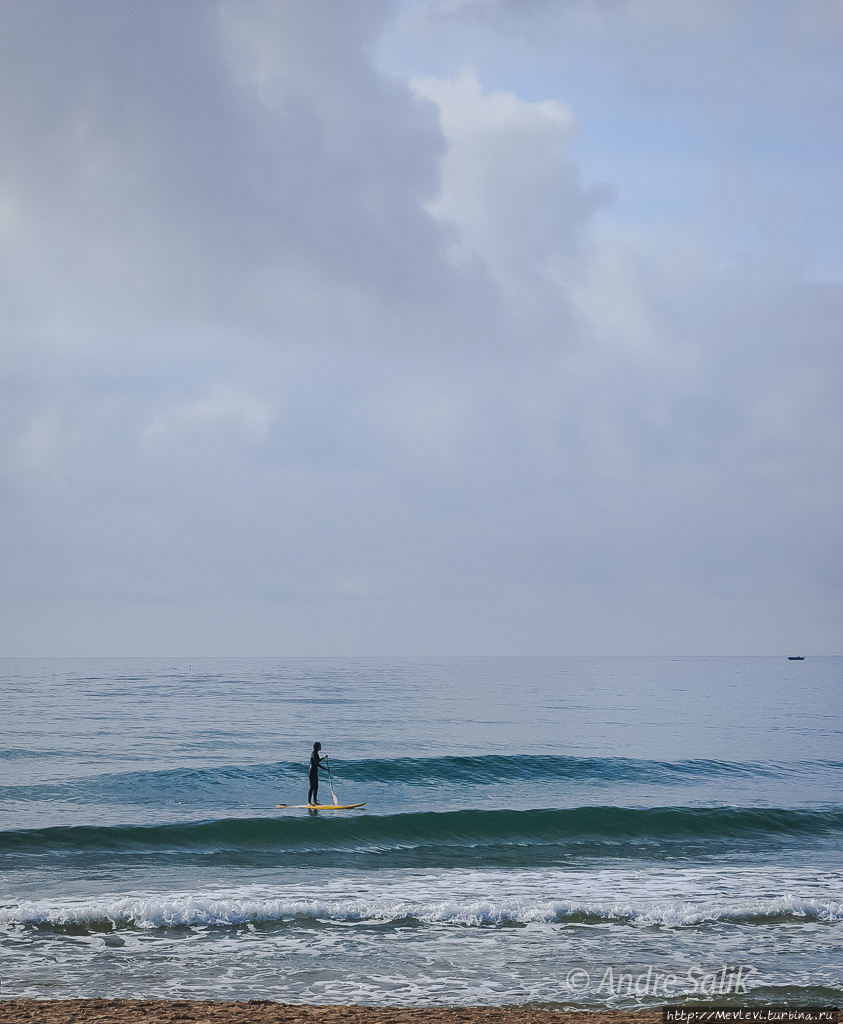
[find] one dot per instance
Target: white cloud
(506, 182)
(223, 406)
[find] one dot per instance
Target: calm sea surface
(554, 831)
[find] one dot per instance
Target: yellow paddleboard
(321, 807)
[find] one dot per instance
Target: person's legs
(313, 792)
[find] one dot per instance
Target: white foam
(220, 909)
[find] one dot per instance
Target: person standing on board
(316, 760)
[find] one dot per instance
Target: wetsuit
(313, 793)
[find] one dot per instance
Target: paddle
(331, 781)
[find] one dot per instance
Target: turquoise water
(561, 832)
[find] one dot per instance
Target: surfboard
(321, 807)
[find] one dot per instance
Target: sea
(585, 833)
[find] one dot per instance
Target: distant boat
(796, 657)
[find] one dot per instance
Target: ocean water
(546, 831)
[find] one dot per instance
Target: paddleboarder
(316, 760)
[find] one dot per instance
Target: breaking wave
(224, 910)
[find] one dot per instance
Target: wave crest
(209, 910)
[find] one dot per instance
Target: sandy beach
(161, 1011)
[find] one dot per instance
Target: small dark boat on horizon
(796, 657)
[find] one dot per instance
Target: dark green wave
(298, 833)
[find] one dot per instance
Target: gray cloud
(305, 357)
(239, 165)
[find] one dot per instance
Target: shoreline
(262, 1011)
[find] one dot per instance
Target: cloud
(508, 186)
(37, 447)
(301, 355)
(696, 40)
(236, 165)
(223, 406)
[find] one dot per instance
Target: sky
(421, 327)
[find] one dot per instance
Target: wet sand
(161, 1011)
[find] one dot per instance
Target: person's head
(317, 746)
